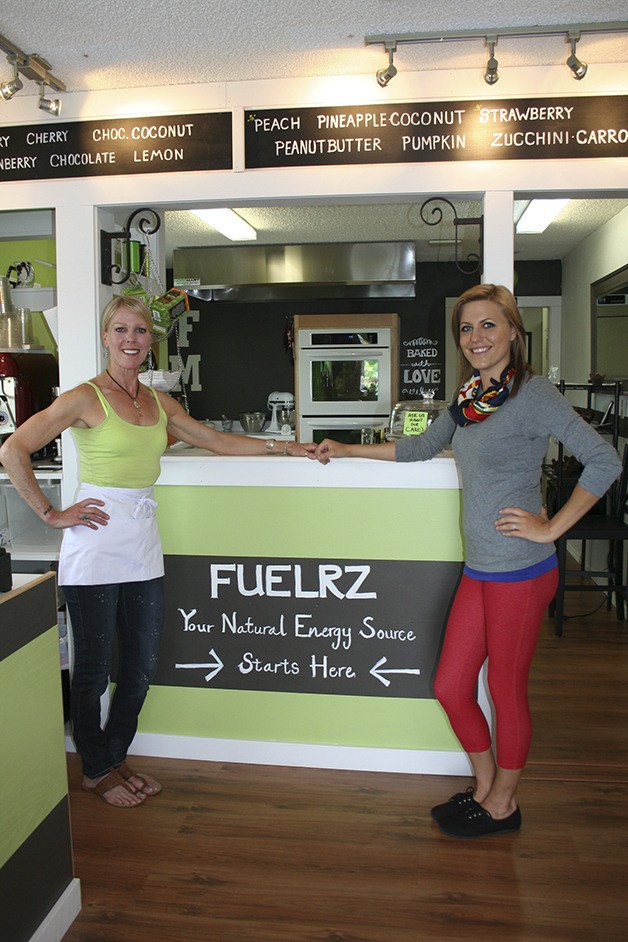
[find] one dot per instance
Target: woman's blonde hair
(500, 295)
(130, 303)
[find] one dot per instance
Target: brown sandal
(128, 773)
(111, 780)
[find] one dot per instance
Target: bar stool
(611, 528)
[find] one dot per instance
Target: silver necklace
(132, 397)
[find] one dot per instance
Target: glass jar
(26, 327)
(10, 330)
(413, 417)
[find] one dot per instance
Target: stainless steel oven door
(353, 381)
(346, 429)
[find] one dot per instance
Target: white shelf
(40, 474)
(35, 299)
(30, 553)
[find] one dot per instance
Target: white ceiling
(160, 43)
(118, 44)
(383, 222)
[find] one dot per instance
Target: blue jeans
(135, 610)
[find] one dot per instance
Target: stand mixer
(282, 406)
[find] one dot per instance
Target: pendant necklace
(131, 397)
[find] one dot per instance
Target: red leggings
(501, 621)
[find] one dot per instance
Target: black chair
(610, 527)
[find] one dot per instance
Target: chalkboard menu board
(305, 625)
(518, 129)
(124, 145)
(421, 367)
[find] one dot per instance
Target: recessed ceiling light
(538, 214)
(227, 222)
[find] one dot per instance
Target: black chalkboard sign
(352, 627)
(426, 132)
(124, 145)
(422, 367)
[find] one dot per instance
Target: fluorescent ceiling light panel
(538, 214)
(228, 222)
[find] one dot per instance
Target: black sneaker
(454, 805)
(476, 821)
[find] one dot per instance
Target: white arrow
(376, 672)
(216, 666)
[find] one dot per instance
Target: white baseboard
(61, 916)
(311, 755)
(303, 755)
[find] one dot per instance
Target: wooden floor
(236, 853)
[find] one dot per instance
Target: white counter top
(196, 467)
(22, 579)
(43, 471)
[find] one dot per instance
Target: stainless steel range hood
(292, 272)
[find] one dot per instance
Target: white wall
(79, 202)
(601, 253)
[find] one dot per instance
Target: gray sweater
(500, 461)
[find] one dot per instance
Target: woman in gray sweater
(499, 427)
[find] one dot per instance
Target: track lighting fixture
(491, 75)
(35, 69)
(578, 68)
(572, 32)
(52, 106)
(8, 89)
(384, 76)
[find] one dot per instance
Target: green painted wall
(28, 250)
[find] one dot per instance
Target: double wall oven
(346, 374)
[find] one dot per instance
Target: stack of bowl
(252, 422)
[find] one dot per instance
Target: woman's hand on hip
(514, 521)
(86, 513)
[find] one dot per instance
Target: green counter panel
(34, 779)
(374, 523)
(367, 722)
(345, 523)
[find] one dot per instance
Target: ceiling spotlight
(578, 68)
(384, 76)
(491, 75)
(8, 89)
(53, 106)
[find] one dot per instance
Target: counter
(305, 607)
(40, 895)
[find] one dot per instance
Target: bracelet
(270, 446)
(47, 510)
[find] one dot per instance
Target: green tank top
(118, 454)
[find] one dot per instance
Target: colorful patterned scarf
(468, 408)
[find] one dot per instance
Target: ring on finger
(85, 517)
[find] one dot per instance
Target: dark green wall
(243, 357)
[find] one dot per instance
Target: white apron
(128, 549)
